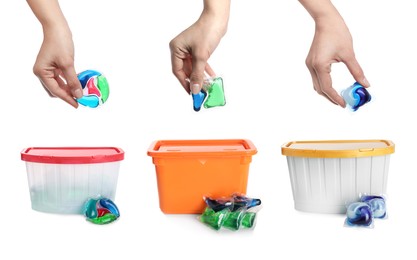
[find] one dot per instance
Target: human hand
(332, 43)
(192, 48)
(54, 65)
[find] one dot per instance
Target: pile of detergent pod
(231, 212)
(101, 210)
(95, 88)
(363, 212)
(211, 94)
(356, 96)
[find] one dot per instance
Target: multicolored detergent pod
(101, 211)
(356, 96)
(198, 100)
(377, 204)
(231, 212)
(95, 88)
(214, 88)
(359, 214)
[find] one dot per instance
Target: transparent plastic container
(61, 179)
(325, 175)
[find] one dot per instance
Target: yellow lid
(338, 148)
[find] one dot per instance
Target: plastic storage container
(188, 170)
(325, 175)
(61, 179)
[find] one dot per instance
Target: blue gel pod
(356, 96)
(241, 201)
(359, 214)
(377, 204)
(198, 100)
(219, 204)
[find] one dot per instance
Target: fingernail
(78, 93)
(366, 82)
(195, 88)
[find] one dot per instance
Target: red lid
(72, 155)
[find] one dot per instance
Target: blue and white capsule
(356, 96)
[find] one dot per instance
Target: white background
(270, 100)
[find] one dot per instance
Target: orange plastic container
(188, 170)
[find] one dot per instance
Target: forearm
(49, 13)
(218, 11)
(320, 9)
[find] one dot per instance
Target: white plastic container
(61, 179)
(325, 175)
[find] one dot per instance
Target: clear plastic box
(61, 179)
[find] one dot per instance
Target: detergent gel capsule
(359, 214)
(234, 219)
(95, 88)
(101, 211)
(248, 219)
(377, 204)
(211, 94)
(356, 96)
(214, 219)
(231, 212)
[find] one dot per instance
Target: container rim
(202, 147)
(384, 147)
(72, 155)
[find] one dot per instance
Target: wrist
(54, 23)
(329, 21)
(320, 9)
(56, 28)
(216, 13)
(218, 20)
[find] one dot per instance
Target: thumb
(197, 74)
(357, 72)
(72, 81)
